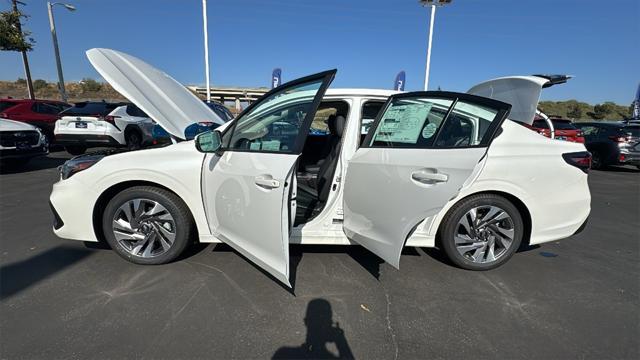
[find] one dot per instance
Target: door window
(277, 122)
(447, 121)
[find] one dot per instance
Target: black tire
(75, 149)
(450, 226)
(184, 225)
(133, 140)
(596, 160)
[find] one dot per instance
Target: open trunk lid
(522, 92)
(164, 99)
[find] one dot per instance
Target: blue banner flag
(399, 83)
(636, 105)
(276, 78)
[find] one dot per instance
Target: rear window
(4, 105)
(632, 130)
(563, 125)
(90, 109)
(135, 111)
(557, 125)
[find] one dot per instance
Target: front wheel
(147, 225)
(75, 149)
(481, 232)
(133, 140)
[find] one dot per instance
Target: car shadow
(18, 276)
(321, 331)
(620, 169)
(39, 163)
(368, 260)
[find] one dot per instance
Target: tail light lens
(581, 160)
(622, 158)
(618, 139)
(111, 119)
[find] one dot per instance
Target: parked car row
(83, 125)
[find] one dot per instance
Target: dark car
(611, 143)
(39, 113)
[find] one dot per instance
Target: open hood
(164, 99)
(522, 92)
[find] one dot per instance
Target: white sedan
(435, 169)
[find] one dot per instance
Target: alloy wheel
(484, 234)
(144, 228)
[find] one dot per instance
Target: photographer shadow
(320, 332)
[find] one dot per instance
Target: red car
(563, 128)
(40, 113)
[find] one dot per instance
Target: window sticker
(271, 145)
(403, 123)
(429, 130)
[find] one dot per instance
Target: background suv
(89, 124)
(40, 113)
(610, 143)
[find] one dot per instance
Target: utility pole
(25, 60)
(63, 93)
(206, 48)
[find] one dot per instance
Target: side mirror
(208, 142)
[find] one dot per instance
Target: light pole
(52, 24)
(433, 4)
(206, 48)
(25, 60)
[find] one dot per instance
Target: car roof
(33, 100)
(360, 92)
(607, 123)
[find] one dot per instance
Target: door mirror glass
(208, 142)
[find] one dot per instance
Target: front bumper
(72, 203)
(87, 140)
(24, 153)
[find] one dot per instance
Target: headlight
(78, 164)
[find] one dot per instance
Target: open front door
(246, 188)
(420, 151)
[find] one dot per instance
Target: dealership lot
(577, 298)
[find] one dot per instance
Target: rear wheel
(596, 160)
(147, 225)
(134, 140)
(75, 149)
(482, 232)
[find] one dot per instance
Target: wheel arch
(517, 202)
(132, 127)
(110, 192)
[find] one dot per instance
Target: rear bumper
(626, 158)
(88, 140)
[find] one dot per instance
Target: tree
(12, 38)
(39, 84)
(90, 85)
(574, 111)
(21, 81)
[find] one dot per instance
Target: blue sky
(367, 41)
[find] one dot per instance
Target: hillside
(89, 89)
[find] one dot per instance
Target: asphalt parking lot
(577, 298)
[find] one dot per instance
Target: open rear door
(421, 150)
(247, 187)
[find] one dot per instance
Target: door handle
(267, 181)
(429, 176)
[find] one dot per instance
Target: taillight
(581, 160)
(618, 139)
(111, 119)
(622, 158)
